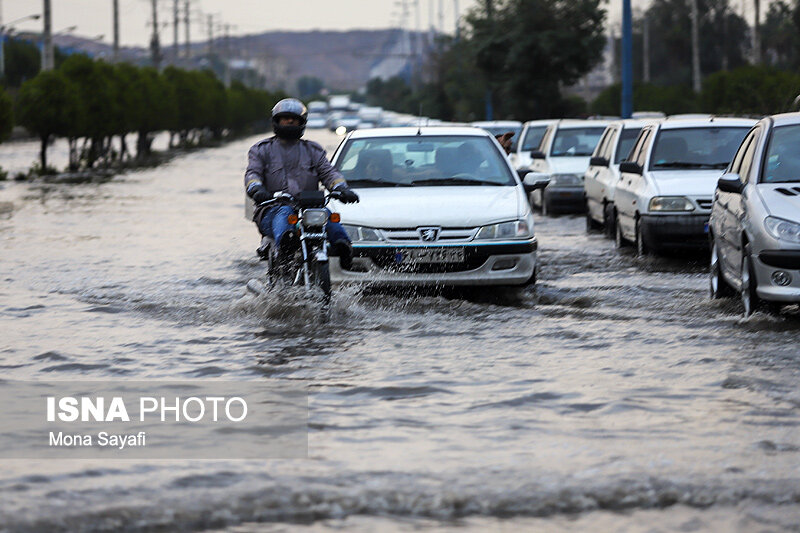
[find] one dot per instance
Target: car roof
(705, 122)
(423, 131)
(497, 123)
(579, 123)
(784, 119)
(630, 123)
(543, 122)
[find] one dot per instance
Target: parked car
(600, 180)
(755, 220)
(439, 206)
(529, 139)
(666, 187)
(498, 127)
(563, 157)
(316, 121)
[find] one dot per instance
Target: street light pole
(48, 61)
(627, 60)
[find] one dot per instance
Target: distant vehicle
(530, 137)
(563, 157)
(498, 127)
(439, 206)
(600, 180)
(316, 121)
(665, 191)
(755, 220)
(317, 107)
(339, 103)
(640, 115)
(371, 114)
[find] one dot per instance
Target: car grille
(446, 235)
(704, 203)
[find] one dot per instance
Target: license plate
(430, 255)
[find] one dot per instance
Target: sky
(94, 17)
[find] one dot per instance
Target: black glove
(347, 195)
(259, 194)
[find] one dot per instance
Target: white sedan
(439, 206)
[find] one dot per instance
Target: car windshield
(533, 137)
(710, 147)
(576, 141)
(499, 130)
(783, 156)
(417, 161)
(626, 140)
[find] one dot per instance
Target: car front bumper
(485, 264)
(767, 263)
(675, 231)
(571, 198)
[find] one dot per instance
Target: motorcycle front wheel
(322, 279)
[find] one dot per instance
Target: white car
(529, 139)
(600, 180)
(438, 206)
(563, 157)
(755, 221)
(664, 195)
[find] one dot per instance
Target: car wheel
(619, 239)
(609, 221)
(750, 300)
(718, 287)
(591, 224)
(642, 246)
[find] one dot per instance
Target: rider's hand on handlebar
(260, 194)
(347, 196)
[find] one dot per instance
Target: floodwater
(613, 396)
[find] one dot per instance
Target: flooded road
(613, 396)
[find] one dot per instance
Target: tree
(47, 106)
(528, 49)
(159, 107)
(309, 86)
(671, 99)
(22, 61)
(750, 90)
(6, 115)
(780, 35)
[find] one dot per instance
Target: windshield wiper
(454, 181)
(377, 183)
(686, 164)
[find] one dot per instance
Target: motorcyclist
(287, 163)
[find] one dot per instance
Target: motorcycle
(307, 265)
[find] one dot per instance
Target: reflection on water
(613, 385)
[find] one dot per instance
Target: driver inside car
(287, 163)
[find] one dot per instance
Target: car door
(625, 200)
(541, 165)
(593, 179)
(737, 208)
(723, 222)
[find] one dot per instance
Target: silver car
(755, 219)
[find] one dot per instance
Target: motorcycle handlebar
(288, 198)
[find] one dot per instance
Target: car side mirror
(630, 167)
(598, 161)
(537, 154)
(534, 181)
(730, 183)
(522, 172)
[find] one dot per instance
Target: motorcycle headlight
(314, 218)
(361, 234)
(671, 203)
(518, 229)
(782, 229)
(566, 180)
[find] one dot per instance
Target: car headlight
(671, 203)
(782, 229)
(518, 229)
(565, 180)
(361, 234)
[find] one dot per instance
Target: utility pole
(489, 97)
(627, 60)
(756, 33)
(2, 44)
(725, 37)
(210, 35)
(227, 71)
(186, 25)
(155, 46)
(457, 17)
(646, 48)
(696, 83)
(441, 16)
(115, 17)
(48, 62)
(175, 30)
